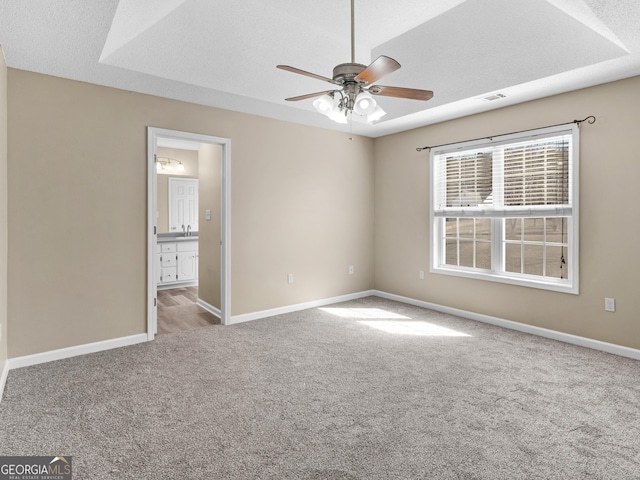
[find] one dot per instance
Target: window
(506, 209)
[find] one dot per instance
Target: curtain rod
(590, 119)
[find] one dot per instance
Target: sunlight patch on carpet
(391, 322)
(424, 329)
(362, 313)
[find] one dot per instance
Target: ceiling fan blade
(307, 74)
(309, 95)
(380, 67)
(400, 92)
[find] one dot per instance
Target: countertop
(170, 237)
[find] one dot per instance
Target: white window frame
(498, 272)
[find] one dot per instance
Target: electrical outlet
(290, 278)
(351, 270)
(421, 274)
(610, 304)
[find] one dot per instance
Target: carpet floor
(367, 389)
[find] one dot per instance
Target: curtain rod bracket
(590, 119)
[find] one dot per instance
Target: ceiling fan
(355, 81)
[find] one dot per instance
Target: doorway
(156, 136)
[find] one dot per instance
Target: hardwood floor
(178, 312)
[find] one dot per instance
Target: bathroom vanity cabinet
(177, 262)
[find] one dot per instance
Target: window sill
(562, 286)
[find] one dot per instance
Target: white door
(183, 204)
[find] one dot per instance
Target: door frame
(153, 133)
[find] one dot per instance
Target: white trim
(50, 356)
(520, 327)
(153, 133)
(152, 232)
(209, 308)
(246, 317)
(523, 280)
(3, 378)
(225, 265)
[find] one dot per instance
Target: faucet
(183, 229)
(188, 230)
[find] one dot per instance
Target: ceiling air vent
(495, 96)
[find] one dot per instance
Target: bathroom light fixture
(165, 165)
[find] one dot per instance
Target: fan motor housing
(346, 72)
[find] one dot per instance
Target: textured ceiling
(224, 53)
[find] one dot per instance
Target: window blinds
(537, 173)
(525, 176)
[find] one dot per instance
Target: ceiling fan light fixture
(324, 104)
(365, 104)
(329, 106)
(338, 116)
(354, 102)
(376, 115)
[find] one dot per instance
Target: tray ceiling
(224, 54)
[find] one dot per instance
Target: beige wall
(609, 216)
(3, 212)
(189, 159)
(301, 203)
(210, 189)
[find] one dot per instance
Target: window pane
(466, 227)
(554, 255)
(451, 253)
(451, 227)
(466, 253)
(483, 228)
(555, 229)
(513, 257)
(534, 229)
(533, 259)
(483, 255)
(513, 228)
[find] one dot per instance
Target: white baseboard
(3, 378)
(521, 327)
(68, 352)
(74, 351)
(209, 308)
(246, 317)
